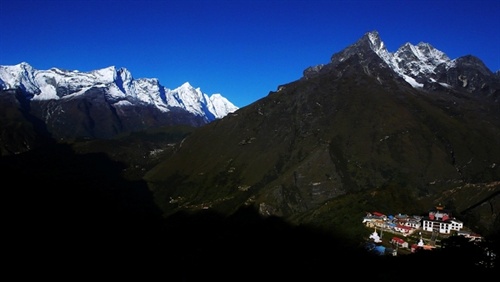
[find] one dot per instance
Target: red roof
(398, 240)
(378, 214)
(407, 228)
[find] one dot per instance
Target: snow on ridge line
(119, 83)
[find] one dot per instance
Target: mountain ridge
(421, 65)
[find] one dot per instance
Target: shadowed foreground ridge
(96, 223)
(77, 213)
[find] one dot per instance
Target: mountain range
(103, 103)
(275, 189)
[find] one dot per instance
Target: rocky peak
(470, 61)
(369, 43)
(470, 74)
(420, 59)
(375, 42)
(367, 49)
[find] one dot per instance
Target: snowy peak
(367, 48)
(186, 86)
(198, 102)
(414, 60)
(378, 46)
(428, 53)
(188, 97)
(220, 106)
(375, 42)
(190, 94)
(105, 75)
(20, 75)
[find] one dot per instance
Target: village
(403, 234)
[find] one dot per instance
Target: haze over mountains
(368, 131)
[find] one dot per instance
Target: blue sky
(241, 49)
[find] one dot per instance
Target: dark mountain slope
(76, 212)
(352, 128)
(20, 131)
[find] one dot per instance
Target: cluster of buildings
(438, 222)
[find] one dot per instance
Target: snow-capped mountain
(121, 88)
(421, 65)
(104, 102)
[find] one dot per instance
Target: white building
(440, 221)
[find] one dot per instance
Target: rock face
(97, 104)
(367, 130)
